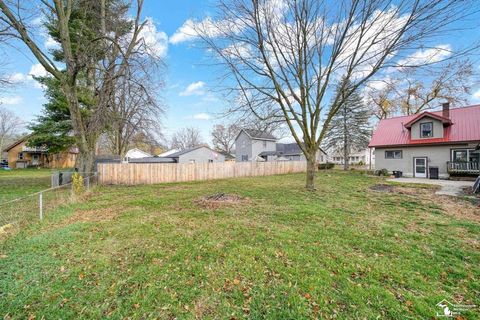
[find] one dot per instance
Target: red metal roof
(465, 128)
(428, 114)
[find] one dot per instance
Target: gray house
(255, 145)
(199, 154)
(430, 144)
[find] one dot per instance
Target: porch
(463, 167)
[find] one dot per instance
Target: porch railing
(468, 167)
(34, 149)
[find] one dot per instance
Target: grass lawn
(20, 182)
(344, 252)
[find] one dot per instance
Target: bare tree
(284, 56)
(414, 90)
(186, 138)
(97, 41)
(223, 137)
(135, 112)
(9, 123)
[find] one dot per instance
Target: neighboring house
(136, 153)
(365, 156)
(168, 152)
(419, 145)
(255, 145)
(200, 154)
(228, 156)
(19, 155)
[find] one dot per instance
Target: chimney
(446, 110)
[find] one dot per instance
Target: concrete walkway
(448, 187)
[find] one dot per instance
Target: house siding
(437, 128)
(437, 157)
(258, 147)
(59, 160)
(243, 147)
(201, 155)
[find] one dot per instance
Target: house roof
(258, 134)
(465, 128)
(16, 143)
(143, 153)
(179, 153)
(430, 115)
(152, 160)
(168, 152)
(268, 153)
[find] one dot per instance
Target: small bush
(382, 172)
(77, 183)
(325, 166)
(361, 163)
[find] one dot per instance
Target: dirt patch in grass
(382, 188)
(94, 215)
(219, 200)
(459, 208)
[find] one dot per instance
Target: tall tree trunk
(346, 152)
(311, 169)
(85, 141)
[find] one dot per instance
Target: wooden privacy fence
(151, 173)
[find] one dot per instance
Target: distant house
(228, 156)
(19, 155)
(430, 143)
(168, 152)
(136, 153)
(363, 156)
(200, 154)
(255, 145)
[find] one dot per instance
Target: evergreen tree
(52, 129)
(349, 129)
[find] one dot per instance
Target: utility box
(397, 174)
(433, 173)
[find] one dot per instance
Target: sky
(190, 80)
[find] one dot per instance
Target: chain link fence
(35, 207)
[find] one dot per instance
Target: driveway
(448, 187)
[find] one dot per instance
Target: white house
(136, 153)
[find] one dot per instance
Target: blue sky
(188, 76)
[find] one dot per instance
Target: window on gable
(426, 130)
(20, 156)
(393, 154)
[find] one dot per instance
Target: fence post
(87, 182)
(40, 205)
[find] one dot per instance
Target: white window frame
(394, 153)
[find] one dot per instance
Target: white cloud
(13, 100)
(156, 42)
(17, 77)
(38, 70)
(476, 95)
(185, 33)
(190, 29)
(196, 88)
(431, 55)
(50, 43)
(202, 116)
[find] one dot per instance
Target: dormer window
(426, 130)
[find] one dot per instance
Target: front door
(420, 166)
(35, 159)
